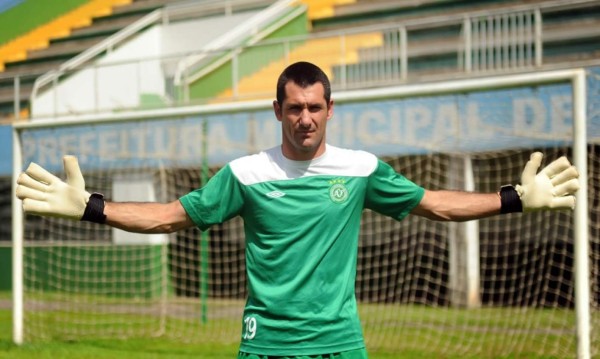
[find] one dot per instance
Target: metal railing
(160, 16)
(503, 41)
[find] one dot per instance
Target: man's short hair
(303, 74)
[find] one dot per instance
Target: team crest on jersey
(338, 193)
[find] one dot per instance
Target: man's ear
(277, 110)
(330, 109)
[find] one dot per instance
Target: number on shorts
(250, 328)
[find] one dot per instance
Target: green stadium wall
(115, 271)
(5, 268)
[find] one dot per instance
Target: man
(301, 203)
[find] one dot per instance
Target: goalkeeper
(301, 203)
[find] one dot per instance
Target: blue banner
(6, 151)
(482, 121)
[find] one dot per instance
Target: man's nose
(305, 118)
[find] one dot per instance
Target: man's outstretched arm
(147, 217)
(553, 188)
(457, 206)
(46, 195)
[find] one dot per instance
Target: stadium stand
(434, 41)
(317, 49)
(572, 33)
(16, 53)
(435, 38)
(570, 29)
(157, 38)
(53, 43)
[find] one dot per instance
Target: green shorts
(351, 354)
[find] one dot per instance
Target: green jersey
(301, 222)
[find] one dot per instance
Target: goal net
(496, 287)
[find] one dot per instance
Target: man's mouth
(305, 133)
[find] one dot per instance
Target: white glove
(552, 188)
(44, 194)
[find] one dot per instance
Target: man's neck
(303, 155)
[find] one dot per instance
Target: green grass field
(169, 348)
(116, 349)
(391, 331)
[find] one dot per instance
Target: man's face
(303, 114)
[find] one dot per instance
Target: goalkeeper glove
(552, 188)
(44, 194)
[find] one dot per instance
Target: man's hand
(552, 188)
(44, 194)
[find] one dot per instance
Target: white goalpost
(17, 250)
(577, 78)
(420, 284)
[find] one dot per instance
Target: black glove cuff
(94, 211)
(509, 200)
